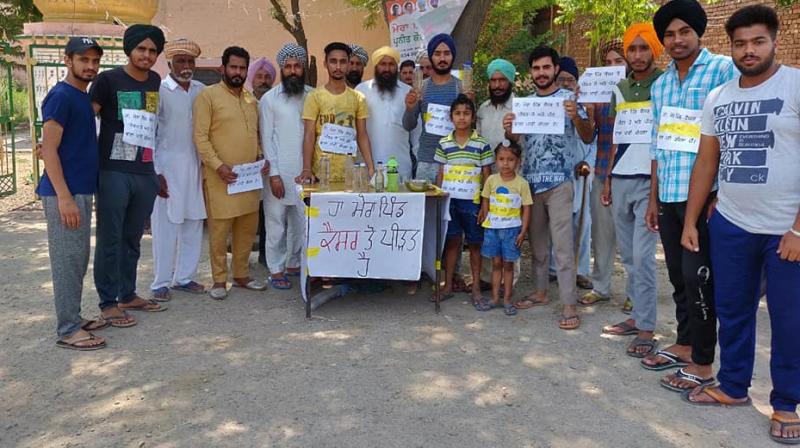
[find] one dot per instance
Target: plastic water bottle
(379, 182)
(349, 173)
(392, 176)
(324, 173)
(466, 77)
(419, 78)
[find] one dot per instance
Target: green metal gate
(8, 161)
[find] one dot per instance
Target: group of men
(727, 211)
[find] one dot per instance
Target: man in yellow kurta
(226, 134)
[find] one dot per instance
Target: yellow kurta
(226, 132)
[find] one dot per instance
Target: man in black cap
(126, 99)
(678, 97)
(67, 188)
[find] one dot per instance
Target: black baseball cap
(81, 45)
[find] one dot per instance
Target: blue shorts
(501, 243)
(464, 221)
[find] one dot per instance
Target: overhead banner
(413, 22)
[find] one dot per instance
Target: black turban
(135, 34)
(689, 11)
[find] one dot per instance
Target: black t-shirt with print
(115, 90)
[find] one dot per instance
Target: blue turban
(505, 68)
(441, 39)
(567, 64)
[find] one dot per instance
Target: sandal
(627, 307)
(460, 285)
(192, 287)
(162, 294)
(713, 392)
(124, 321)
(593, 298)
(77, 344)
(640, 342)
(531, 302)
(564, 322)
(673, 361)
(680, 374)
(94, 324)
(279, 283)
(783, 422)
(481, 304)
(151, 306)
(627, 329)
(509, 310)
(289, 273)
(251, 285)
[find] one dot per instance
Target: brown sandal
(77, 344)
(564, 322)
(783, 422)
(94, 324)
(151, 306)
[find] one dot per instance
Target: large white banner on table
(368, 235)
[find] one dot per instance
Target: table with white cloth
(372, 235)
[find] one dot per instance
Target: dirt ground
(366, 371)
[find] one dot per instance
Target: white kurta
(490, 121)
(280, 124)
(385, 125)
(175, 156)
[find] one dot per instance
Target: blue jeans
(124, 202)
(501, 243)
(464, 221)
(738, 258)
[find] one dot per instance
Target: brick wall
(715, 39)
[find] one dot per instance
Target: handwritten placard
(633, 122)
(437, 120)
(538, 115)
(249, 177)
(504, 211)
(140, 128)
(338, 139)
(461, 182)
(366, 235)
(679, 129)
(597, 83)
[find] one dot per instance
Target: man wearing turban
(126, 98)
(358, 61)
(179, 210)
(385, 96)
(281, 130)
(629, 181)
(680, 92)
(260, 77)
(602, 228)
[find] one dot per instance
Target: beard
(82, 78)
(293, 85)
(260, 90)
(184, 76)
(442, 71)
(354, 77)
(501, 98)
(759, 69)
(386, 82)
(547, 85)
(236, 81)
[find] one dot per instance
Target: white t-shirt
(759, 135)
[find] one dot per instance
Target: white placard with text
(140, 128)
(597, 83)
(538, 115)
(249, 177)
(679, 129)
(437, 120)
(338, 139)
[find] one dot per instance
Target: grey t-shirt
(759, 135)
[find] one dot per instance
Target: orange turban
(647, 32)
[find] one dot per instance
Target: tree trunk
(468, 29)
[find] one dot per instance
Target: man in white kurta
(179, 209)
(385, 96)
(281, 128)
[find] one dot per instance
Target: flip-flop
(674, 362)
(524, 304)
(719, 400)
(81, 348)
(565, 326)
(628, 329)
(252, 285)
(639, 342)
(442, 297)
(279, 283)
(95, 324)
(783, 422)
(192, 287)
(509, 310)
(680, 374)
(150, 306)
(124, 321)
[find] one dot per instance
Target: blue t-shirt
(72, 109)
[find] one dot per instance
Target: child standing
(466, 160)
(506, 205)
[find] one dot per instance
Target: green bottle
(392, 176)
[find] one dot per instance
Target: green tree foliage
(13, 13)
(608, 18)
